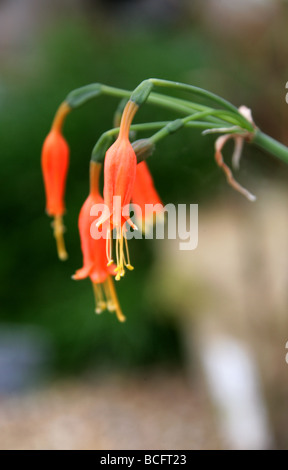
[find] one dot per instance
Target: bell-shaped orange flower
(119, 178)
(146, 200)
(94, 251)
(55, 162)
(120, 167)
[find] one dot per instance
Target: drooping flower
(94, 251)
(55, 162)
(145, 198)
(119, 178)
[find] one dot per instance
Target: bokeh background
(200, 362)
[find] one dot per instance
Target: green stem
(271, 145)
(147, 126)
(142, 92)
(196, 91)
(194, 111)
(82, 95)
(173, 126)
(167, 127)
(260, 138)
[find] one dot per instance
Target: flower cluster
(124, 181)
(127, 178)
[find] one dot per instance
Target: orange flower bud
(55, 162)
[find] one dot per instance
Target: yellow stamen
(121, 252)
(118, 234)
(109, 248)
(128, 264)
(122, 258)
(60, 116)
(119, 255)
(59, 230)
(100, 304)
(111, 307)
(112, 299)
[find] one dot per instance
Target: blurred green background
(58, 46)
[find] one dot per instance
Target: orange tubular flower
(119, 178)
(55, 162)
(146, 200)
(94, 252)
